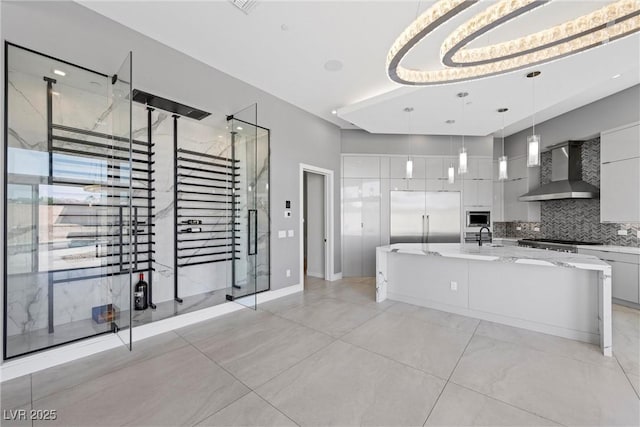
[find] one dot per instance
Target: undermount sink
(491, 245)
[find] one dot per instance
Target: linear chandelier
(611, 22)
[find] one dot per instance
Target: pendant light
(502, 160)
(409, 173)
(451, 173)
(533, 141)
(462, 157)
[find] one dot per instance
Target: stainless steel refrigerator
(425, 217)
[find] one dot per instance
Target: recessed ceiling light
(334, 112)
(450, 121)
(502, 110)
(462, 94)
(239, 128)
(533, 74)
(408, 109)
(616, 76)
(333, 65)
(59, 72)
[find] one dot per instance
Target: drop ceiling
(330, 55)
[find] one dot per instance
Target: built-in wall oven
(478, 219)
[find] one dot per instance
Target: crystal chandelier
(613, 21)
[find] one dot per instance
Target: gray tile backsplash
(572, 219)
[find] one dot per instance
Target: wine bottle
(140, 293)
(193, 230)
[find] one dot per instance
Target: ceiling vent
(245, 5)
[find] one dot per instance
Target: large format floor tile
(458, 406)
(548, 343)
(249, 410)
(345, 385)
(331, 316)
(437, 317)
(256, 353)
(558, 388)
(289, 302)
(70, 374)
(626, 338)
(181, 387)
(422, 345)
(222, 325)
(15, 393)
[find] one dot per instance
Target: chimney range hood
(566, 176)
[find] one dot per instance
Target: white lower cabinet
(625, 273)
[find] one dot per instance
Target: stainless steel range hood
(566, 176)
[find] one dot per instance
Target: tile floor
(332, 356)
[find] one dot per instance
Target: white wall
(315, 224)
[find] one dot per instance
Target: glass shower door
(120, 186)
(244, 212)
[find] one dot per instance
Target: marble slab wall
(573, 219)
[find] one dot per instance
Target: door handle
(252, 232)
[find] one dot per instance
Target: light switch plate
(536, 228)
(454, 286)
(518, 228)
(288, 273)
(290, 233)
(282, 234)
(622, 232)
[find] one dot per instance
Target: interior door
(244, 211)
(407, 217)
(120, 285)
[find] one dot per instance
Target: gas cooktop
(561, 242)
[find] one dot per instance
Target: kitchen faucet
(480, 235)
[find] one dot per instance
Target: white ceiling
(282, 47)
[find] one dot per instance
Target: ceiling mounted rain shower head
(168, 105)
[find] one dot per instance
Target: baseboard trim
(316, 275)
(336, 276)
(68, 353)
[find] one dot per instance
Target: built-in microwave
(478, 218)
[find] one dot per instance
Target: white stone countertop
(503, 254)
(608, 248)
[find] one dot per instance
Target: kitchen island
(563, 294)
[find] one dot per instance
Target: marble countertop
(503, 254)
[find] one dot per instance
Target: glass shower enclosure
(70, 194)
(250, 151)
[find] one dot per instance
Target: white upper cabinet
(479, 169)
(620, 191)
(620, 174)
(436, 168)
(478, 192)
(360, 167)
(398, 167)
(619, 144)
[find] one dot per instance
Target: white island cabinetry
(563, 294)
